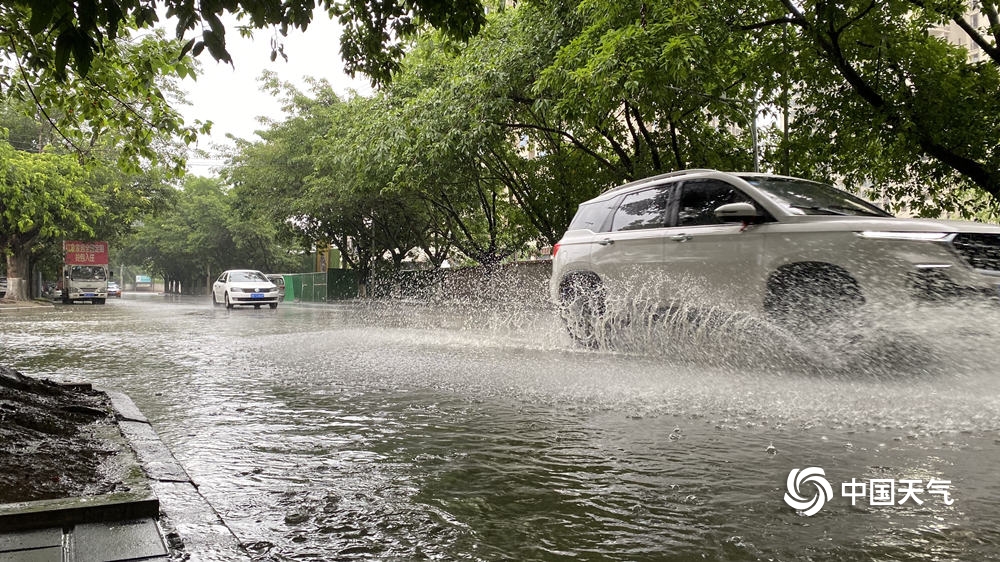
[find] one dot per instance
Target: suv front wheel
(810, 296)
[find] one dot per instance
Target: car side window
(642, 209)
(222, 278)
(596, 216)
(700, 198)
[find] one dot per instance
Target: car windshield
(87, 273)
(246, 276)
(811, 198)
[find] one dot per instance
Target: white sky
(230, 96)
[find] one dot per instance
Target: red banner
(85, 253)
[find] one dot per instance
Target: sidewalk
(24, 305)
(162, 516)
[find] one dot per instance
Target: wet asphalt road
(402, 431)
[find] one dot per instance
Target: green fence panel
(341, 284)
(293, 287)
(310, 287)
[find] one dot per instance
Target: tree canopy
(879, 97)
(488, 146)
(123, 107)
(42, 197)
(59, 35)
(198, 235)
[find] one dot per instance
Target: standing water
(409, 432)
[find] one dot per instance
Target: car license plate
(90, 294)
(256, 295)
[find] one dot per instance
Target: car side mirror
(737, 212)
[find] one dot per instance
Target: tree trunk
(18, 275)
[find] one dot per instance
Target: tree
(121, 108)
(322, 176)
(879, 98)
(82, 30)
(43, 196)
(485, 104)
(199, 235)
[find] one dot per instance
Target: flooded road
(410, 432)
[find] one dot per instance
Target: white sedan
(244, 287)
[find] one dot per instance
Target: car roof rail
(659, 177)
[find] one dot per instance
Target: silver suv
(795, 250)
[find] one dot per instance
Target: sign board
(85, 253)
(322, 259)
(143, 279)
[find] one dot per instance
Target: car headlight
(899, 235)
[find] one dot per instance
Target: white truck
(85, 272)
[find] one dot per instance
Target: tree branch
(38, 102)
(576, 142)
(770, 23)
(991, 15)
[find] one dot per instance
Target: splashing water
(469, 429)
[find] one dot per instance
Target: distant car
(244, 287)
(279, 280)
(114, 290)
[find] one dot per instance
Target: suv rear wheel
(582, 308)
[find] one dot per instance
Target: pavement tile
(119, 540)
(31, 539)
(50, 554)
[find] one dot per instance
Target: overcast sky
(230, 96)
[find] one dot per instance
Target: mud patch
(50, 444)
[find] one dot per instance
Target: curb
(190, 524)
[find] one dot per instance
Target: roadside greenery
(196, 237)
(482, 150)
(86, 156)
(100, 81)
(484, 136)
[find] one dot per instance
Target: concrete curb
(190, 524)
(157, 516)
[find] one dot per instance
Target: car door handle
(605, 242)
(680, 237)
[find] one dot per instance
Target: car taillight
(555, 250)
